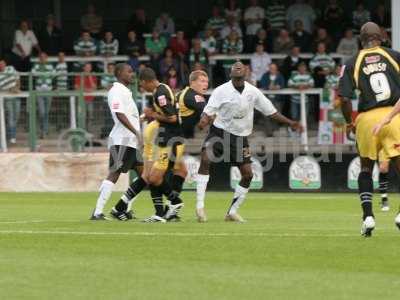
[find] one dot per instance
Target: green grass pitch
(294, 246)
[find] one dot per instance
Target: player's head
(148, 79)
(198, 81)
(238, 74)
(124, 73)
(370, 35)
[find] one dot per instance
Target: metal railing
(77, 113)
(77, 105)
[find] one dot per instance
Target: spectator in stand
(61, 84)
(168, 61)
(273, 80)
(265, 38)
(165, 25)
(61, 72)
(323, 37)
(283, 43)
(91, 22)
(332, 80)
(197, 54)
(109, 45)
(232, 45)
(216, 22)
(89, 84)
(300, 80)
(301, 37)
(232, 10)
(321, 65)
(208, 42)
(108, 78)
(385, 39)
(198, 67)
(381, 16)
(348, 45)
(50, 37)
(24, 42)
(253, 18)
(133, 48)
(9, 82)
(43, 73)
(139, 23)
(276, 16)
(85, 46)
(260, 61)
(106, 83)
(249, 75)
(230, 26)
(179, 45)
(155, 46)
(291, 62)
(360, 16)
(172, 79)
(334, 19)
(301, 10)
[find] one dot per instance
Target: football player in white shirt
(124, 140)
(230, 109)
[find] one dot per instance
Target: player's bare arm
(205, 120)
(124, 120)
(165, 119)
(347, 109)
(395, 111)
(292, 124)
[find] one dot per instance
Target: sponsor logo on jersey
(372, 59)
(115, 105)
(162, 100)
(199, 98)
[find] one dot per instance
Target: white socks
(130, 203)
(202, 181)
(238, 198)
(105, 194)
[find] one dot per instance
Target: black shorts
(169, 135)
(227, 147)
(124, 158)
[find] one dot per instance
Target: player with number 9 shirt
(374, 72)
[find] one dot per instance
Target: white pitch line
(22, 222)
(176, 234)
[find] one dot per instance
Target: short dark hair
(118, 68)
(147, 74)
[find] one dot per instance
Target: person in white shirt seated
(230, 111)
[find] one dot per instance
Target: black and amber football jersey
(375, 73)
(191, 105)
(164, 103)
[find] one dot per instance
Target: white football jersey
(120, 100)
(234, 110)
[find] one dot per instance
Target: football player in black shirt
(374, 72)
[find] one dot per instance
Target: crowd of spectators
(231, 30)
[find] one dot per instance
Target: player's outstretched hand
(350, 131)
(296, 126)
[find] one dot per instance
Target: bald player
(374, 72)
(230, 111)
